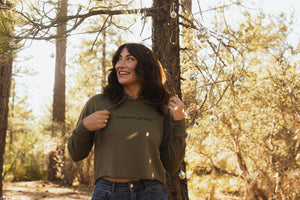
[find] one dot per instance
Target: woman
(136, 127)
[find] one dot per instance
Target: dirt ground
(36, 190)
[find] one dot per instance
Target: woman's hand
(176, 106)
(97, 120)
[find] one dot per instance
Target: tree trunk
(58, 113)
(165, 41)
(6, 63)
(104, 59)
(60, 67)
(5, 82)
(165, 44)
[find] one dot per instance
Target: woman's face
(125, 68)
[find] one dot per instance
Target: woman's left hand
(176, 106)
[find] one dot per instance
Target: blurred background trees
(239, 79)
(248, 144)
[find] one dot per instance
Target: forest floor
(36, 190)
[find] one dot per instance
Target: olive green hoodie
(137, 143)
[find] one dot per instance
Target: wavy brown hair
(149, 72)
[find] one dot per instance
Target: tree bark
(165, 44)
(5, 82)
(60, 67)
(104, 60)
(6, 63)
(59, 104)
(165, 41)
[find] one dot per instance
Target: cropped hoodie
(137, 143)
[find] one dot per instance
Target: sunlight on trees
(247, 144)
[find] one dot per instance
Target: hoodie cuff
(179, 127)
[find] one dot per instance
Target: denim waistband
(119, 186)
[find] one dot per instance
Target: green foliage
(5, 42)
(26, 172)
(23, 159)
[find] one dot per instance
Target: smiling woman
(138, 130)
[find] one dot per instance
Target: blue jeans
(135, 190)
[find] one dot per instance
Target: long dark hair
(149, 72)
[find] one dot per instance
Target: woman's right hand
(97, 120)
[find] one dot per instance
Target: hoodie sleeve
(81, 141)
(172, 149)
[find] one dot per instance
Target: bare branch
(40, 29)
(101, 29)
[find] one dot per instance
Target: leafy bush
(27, 172)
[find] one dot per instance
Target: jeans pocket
(155, 191)
(100, 193)
(156, 187)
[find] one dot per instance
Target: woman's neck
(134, 93)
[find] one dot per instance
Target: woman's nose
(120, 63)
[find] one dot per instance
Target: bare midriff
(119, 179)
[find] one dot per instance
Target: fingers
(105, 112)
(176, 107)
(102, 116)
(97, 120)
(175, 103)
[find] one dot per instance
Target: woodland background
(239, 77)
